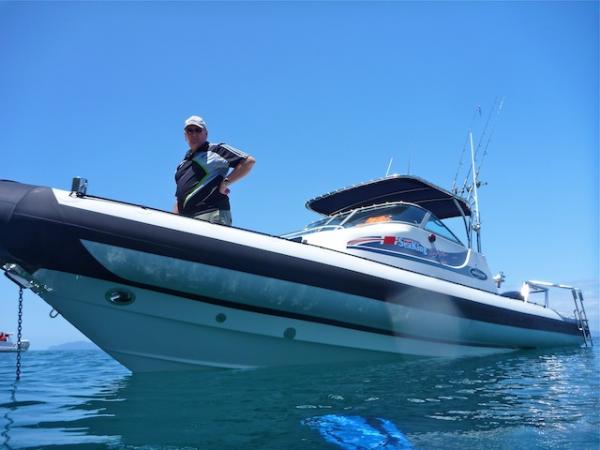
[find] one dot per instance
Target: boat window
(436, 226)
(318, 223)
(457, 226)
(396, 213)
(326, 224)
(338, 219)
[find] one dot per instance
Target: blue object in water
(359, 433)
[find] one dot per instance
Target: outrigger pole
(477, 224)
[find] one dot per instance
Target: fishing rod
(491, 121)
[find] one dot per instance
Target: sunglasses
(194, 130)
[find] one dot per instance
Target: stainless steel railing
(537, 287)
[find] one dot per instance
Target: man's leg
(221, 216)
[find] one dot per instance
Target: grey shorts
(220, 216)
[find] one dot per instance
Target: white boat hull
(11, 347)
(162, 292)
(161, 332)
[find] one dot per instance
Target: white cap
(196, 121)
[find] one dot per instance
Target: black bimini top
(394, 188)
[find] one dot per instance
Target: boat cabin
(400, 221)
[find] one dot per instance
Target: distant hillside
(77, 345)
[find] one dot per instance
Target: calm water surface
(85, 400)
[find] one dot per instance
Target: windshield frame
(324, 224)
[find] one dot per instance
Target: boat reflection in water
(550, 398)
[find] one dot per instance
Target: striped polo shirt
(199, 175)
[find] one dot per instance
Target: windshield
(380, 214)
(336, 220)
(327, 222)
(395, 213)
(318, 223)
(436, 226)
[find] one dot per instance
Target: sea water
(522, 400)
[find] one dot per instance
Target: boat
(7, 344)
(378, 277)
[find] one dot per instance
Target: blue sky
(322, 95)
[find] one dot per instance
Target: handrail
(536, 287)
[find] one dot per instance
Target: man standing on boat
(202, 177)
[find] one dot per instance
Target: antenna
(387, 172)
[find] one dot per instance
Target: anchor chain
(19, 331)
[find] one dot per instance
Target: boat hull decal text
(397, 246)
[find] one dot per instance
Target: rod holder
(79, 186)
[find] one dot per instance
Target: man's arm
(240, 171)
(176, 208)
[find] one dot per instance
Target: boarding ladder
(535, 287)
